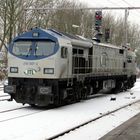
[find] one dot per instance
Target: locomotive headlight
(14, 69)
(48, 70)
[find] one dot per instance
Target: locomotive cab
(37, 60)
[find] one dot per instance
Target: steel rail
(9, 110)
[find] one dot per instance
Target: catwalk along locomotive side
(49, 67)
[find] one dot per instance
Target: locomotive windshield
(44, 48)
(22, 47)
(33, 48)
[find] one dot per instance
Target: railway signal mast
(107, 34)
(98, 25)
(98, 20)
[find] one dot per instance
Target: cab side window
(129, 59)
(64, 52)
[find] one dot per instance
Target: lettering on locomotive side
(30, 72)
(30, 63)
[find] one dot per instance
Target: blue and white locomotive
(50, 67)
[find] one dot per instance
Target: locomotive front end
(31, 68)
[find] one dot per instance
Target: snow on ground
(99, 128)
(45, 123)
(1, 87)
(5, 105)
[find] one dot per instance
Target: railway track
(4, 97)
(1, 88)
(59, 135)
(9, 110)
(19, 113)
(43, 109)
(47, 117)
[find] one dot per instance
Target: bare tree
(15, 19)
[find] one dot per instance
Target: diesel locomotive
(50, 67)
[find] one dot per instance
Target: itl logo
(30, 72)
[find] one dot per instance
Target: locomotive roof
(54, 35)
(65, 34)
(52, 32)
(107, 45)
(81, 38)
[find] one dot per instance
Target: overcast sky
(134, 15)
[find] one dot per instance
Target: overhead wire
(113, 2)
(136, 10)
(131, 6)
(126, 2)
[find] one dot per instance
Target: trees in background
(15, 19)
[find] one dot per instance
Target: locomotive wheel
(84, 93)
(57, 101)
(119, 87)
(77, 92)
